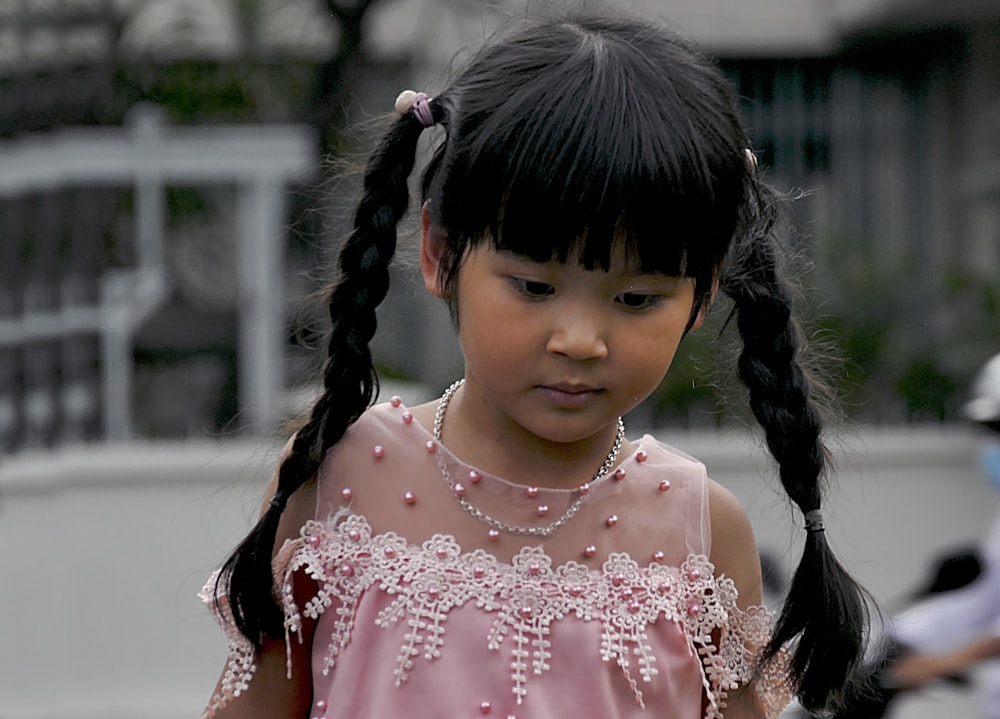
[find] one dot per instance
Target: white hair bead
(405, 100)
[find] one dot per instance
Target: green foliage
(926, 389)
(695, 390)
(904, 361)
(206, 92)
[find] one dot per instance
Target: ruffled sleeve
(748, 632)
(241, 661)
(240, 664)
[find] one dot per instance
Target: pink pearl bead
(474, 476)
(396, 401)
(389, 552)
(694, 610)
(525, 612)
(657, 556)
(485, 708)
(534, 569)
(664, 587)
(641, 456)
(346, 494)
(407, 418)
(433, 592)
(576, 590)
(664, 485)
(542, 510)
(693, 575)
(410, 498)
(313, 541)
(590, 550)
(321, 704)
(634, 607)
(612, 521)
(459, 489)
(354, 535)
(627, 593)
(346, 570)
(493, 534)
(584, 488)
(532, 492)
(442, 553)
(620, 474)
(478, 572)
(618, 580)
(431, 446)
(379, 451)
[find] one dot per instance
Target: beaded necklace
(458, 490)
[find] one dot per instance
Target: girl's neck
(517, 455)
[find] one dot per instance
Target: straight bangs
(578, 164)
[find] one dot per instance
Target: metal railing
(147, 156)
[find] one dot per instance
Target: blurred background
(175, 178)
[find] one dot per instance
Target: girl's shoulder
(726, 530)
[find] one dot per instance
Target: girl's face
(559, 350)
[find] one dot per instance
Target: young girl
(506, 550)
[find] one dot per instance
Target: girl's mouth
(569, 396)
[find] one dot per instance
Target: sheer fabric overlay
(422, 613)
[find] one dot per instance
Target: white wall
(104, 549)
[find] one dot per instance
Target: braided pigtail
(825, 609)
(350, 382)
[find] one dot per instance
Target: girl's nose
(578, 336)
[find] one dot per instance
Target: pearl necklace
(545, 531)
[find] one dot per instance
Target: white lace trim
(527, 596)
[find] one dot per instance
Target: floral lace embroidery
(526, 596)
(240, 665)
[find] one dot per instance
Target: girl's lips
(569, 396)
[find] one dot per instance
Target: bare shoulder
(734, 547)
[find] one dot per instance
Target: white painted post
(260, 265)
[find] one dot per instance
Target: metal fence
(74, 287)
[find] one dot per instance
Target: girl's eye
(638, 300)
(532, 288)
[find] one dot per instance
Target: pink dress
(423, 614)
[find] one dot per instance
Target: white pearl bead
(404, 101)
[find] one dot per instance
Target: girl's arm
(271, 693)
(734, 554)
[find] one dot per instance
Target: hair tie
(814, 521)
(278, 502)
(419, 103)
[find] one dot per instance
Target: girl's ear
(431, 251)
(699, 319)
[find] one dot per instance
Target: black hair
(951, 571)
(568, 136)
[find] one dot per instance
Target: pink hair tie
(419, 103)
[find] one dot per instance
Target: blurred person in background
(952, 634)
(952, 623)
